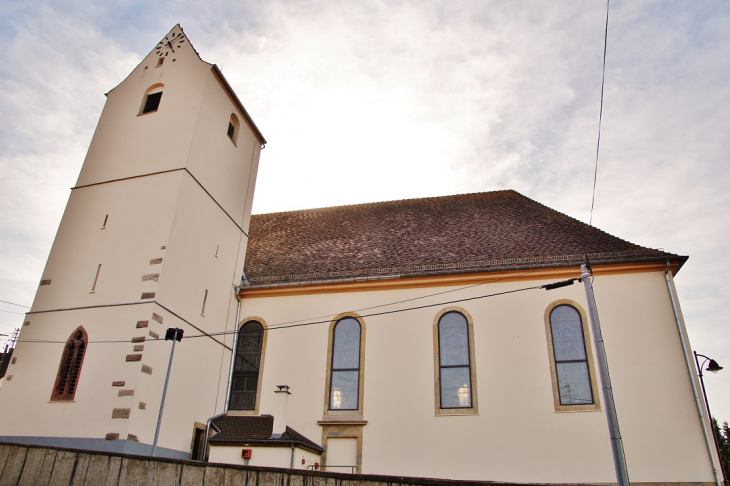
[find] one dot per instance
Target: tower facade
(153, 237)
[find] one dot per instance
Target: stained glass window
(454, 361)
(345, 378)
(569, 352)
(246, 367)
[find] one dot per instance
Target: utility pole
(173, 334)
(13, 340)
(617, 446)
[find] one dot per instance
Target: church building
(418, 337)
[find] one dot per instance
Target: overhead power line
(327, 321)
(12, 303)
(600, 117)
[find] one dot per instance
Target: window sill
(61, 401)
(578, 408)
(453, 412)
(342, 420)
(241, 413)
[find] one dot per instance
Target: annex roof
(257, 430)
(480, 232)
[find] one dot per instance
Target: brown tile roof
(256, 430)
(452, 234)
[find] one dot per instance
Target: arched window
(345, 368)
(570, 358)
(70, 367)
(233, 126)
(247, 367)
(455, 367)
(151, 100)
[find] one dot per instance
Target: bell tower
(153, 237)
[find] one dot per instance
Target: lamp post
(173, 334)
(712, 367)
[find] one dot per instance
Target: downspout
(683, 339)
(207, 434)
(234, 348)
(230, 374)
(291, 463)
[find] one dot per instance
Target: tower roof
(186, 43)
(491, 231)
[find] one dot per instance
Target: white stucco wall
(518, 435)
(264, 456)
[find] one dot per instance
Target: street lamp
(712, 367)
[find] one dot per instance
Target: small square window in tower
(152, 102)
(233, 125)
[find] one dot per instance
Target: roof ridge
(391, 201)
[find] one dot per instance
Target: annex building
(406, 338)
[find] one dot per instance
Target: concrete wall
(38, 466)
(517, 434)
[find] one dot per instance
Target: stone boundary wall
(23, 465)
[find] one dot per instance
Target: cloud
(378, 100)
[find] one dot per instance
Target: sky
(380, 100)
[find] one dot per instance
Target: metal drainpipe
(230, 374)
(207, 434)
(683, 339)
(233, 351)
(291, 463)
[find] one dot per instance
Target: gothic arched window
(70, 367)
(247, 367)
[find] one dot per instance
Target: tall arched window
(247, 367)
(571, 363)
(70, 367)
(345, 368)
(454, 361)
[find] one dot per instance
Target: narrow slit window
(106, 218)
(216, 250)
(96, 278)
(205, 299)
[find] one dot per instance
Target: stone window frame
(474, 410)
(72, 380)
(361, 375)
(596, 405)
(263, 323)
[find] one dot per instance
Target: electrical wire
(287, 326)
(12, 303)
(600, 117)
(11, 312)
(407, 300)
